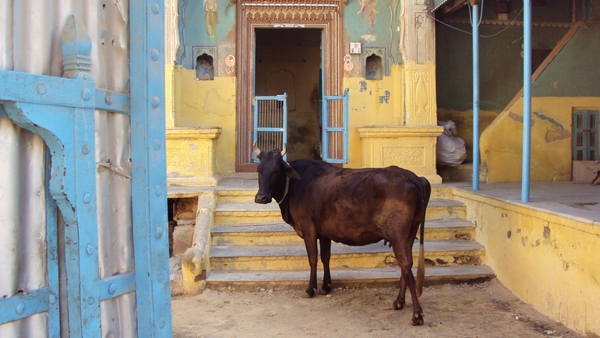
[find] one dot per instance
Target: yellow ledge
(191, 156)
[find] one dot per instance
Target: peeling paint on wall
(519, 118)
(556, 131)
(549, 119)
(556, 134)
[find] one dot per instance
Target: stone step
(377, 255)
(236, 195)
(460, 173)
(244, 191)
(231, 213)
(366, 277)
(282, 234)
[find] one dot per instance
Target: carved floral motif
(294, 10)
(403, 156)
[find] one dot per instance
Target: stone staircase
(253, 249)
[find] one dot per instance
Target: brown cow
(350, 206)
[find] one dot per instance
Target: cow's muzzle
(262, 198)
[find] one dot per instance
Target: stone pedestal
(411, 148)
(191, 156)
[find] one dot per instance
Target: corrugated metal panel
(30, 41)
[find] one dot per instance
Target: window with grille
(585, 135)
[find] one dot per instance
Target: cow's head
(273, 175)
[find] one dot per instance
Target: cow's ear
(290, 172)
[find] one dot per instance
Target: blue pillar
(526, 100)
(475, 24)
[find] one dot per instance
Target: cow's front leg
(310, 242)
(325, 256)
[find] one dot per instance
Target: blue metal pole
(526, 100)
(475, 24)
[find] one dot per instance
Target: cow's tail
(425, 194)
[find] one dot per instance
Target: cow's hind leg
(325, 256)
(403, 253)
(398, 304)
(310, 242)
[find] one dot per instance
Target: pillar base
(411, 148)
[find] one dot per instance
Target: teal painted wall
(501, 61)
(373, 23)
(575, 71)
(193, 29)
(379, 28)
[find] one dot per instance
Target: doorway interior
(288, 60)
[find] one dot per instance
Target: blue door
(101, 254)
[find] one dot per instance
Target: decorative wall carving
(403, 156)
(420, 95)
(295, 10)
(409, 147)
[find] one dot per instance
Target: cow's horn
(284, 150)
(256, 150)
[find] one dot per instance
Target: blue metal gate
(334, 117)
(270, 123)
(98, 286)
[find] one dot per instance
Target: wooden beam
(452, 6)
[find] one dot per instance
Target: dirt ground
(478, 310)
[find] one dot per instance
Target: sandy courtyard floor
(478, 310)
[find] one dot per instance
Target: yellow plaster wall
(365, 108)
(548, 260)
(208, 103)
(501, 143)
(213, 103)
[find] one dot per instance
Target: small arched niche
(204, 68)
(373, 67)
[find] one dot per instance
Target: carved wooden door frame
(251, 14)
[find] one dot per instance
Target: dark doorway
(289, 60)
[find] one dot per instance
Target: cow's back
(353, 206)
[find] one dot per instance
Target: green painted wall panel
(501, 61)
(575, 70)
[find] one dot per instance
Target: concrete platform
(565, 198)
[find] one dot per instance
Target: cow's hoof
(325, 289)
(417, 319)
(396, 305)
(309, 293)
